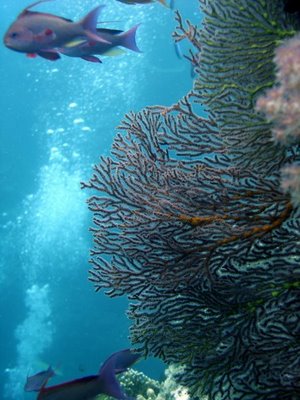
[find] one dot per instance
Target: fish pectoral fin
(49, 55)
(114, 52)
(91, 59)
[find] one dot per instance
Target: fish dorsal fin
(27, 11)
(120, 361)
(31, 6)
(89, 25)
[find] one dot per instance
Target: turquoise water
(56, 119)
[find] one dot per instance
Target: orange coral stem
(260, 230)
(198, 221)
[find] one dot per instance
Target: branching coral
(138, 385)
(191, 223)
(169, 389)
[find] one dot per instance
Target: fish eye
(14, 35)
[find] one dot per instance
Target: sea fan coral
(190, 221)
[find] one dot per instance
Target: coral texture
(191, 223)
(138, 385)
(135, 384)
(282, 107)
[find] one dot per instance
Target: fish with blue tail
(35, 382)
(88, 50)
(105, 382)
(41, 33)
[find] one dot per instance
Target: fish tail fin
(89, 25)
(115, 364)
(128, 39)
(52, 371)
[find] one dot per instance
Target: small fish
(178, 50)
(163, 2)
(36, 382)
(90, 386)
(36, 32)
(87, 49)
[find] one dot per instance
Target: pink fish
(88, 49)
(40, 33)
(90, 386)
(35, 382)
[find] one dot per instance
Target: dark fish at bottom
(90, 386)
(143, 2)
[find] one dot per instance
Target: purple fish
(40, 33)
(87, 49)
(36, 382)
(143, 2)
(90, 386)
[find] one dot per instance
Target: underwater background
(56, 120)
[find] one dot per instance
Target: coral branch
(191, 222)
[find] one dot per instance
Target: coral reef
(138, 385)
(191, 222)
(169, 388)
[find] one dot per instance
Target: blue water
(56, 120)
